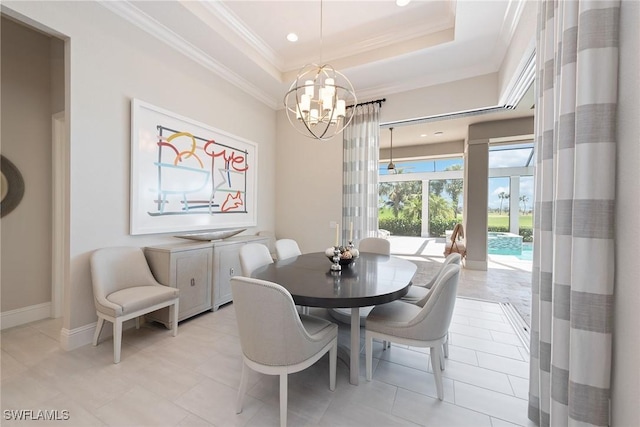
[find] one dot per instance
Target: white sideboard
(226, 264)
(201, 270)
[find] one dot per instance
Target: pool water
(503, 243)
(525, 255)
(527, 252)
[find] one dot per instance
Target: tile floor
(192, 379)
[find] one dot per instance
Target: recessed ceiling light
(402, 3)
(439, 133)
(292, 37)
(423, 135)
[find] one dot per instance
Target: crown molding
(224, 21)
(511, 19)
(146, 23)
(392, 44)
(238, 27)
(522, 79)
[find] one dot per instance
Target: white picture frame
(188, 176)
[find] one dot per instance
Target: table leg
(354, 363)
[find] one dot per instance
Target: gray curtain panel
(573, 258)
(360, 174)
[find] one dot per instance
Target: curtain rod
(378, 101)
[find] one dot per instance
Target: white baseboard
(24, 315)
(71, 339)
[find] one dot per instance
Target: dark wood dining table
(371, 279)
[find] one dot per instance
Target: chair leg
(117, 340)
(99, 326)
(368, 350)
(333, 361)
(435, 365)
(138, 322)
(173, 311)
(283, 400)
(244, 379)
(445, 347)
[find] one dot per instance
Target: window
(511, 155)
(420, 166)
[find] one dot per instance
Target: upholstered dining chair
(418, 291)
(252, 256)
(271, 241)
(287, 248)
(409, 324)
(275, 339)
(375, 245)
(124, 288)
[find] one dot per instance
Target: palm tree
(502, 196)
(413, 208)
(400, 193)
(436, 186)
(439, 208)
(524, 199)
(454, 188)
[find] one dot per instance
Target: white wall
(625, 391)
(309, 187)
(112, 62)
(467, 94)
(26, 142)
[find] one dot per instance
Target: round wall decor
(11, 186)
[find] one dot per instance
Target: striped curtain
(360, 173)
(573, 260)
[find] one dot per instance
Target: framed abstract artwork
(188, 176)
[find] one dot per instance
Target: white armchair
(124, 288)
(275, 339)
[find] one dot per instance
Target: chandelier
(318, 99)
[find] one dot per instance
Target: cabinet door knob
(193, 281)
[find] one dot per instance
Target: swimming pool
(500, 243)
(525, 255)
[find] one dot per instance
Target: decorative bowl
(346, 255)
(212, 235)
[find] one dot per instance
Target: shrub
(526, 233)
(400, 226)
(438, 226)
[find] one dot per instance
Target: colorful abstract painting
(188, 176)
